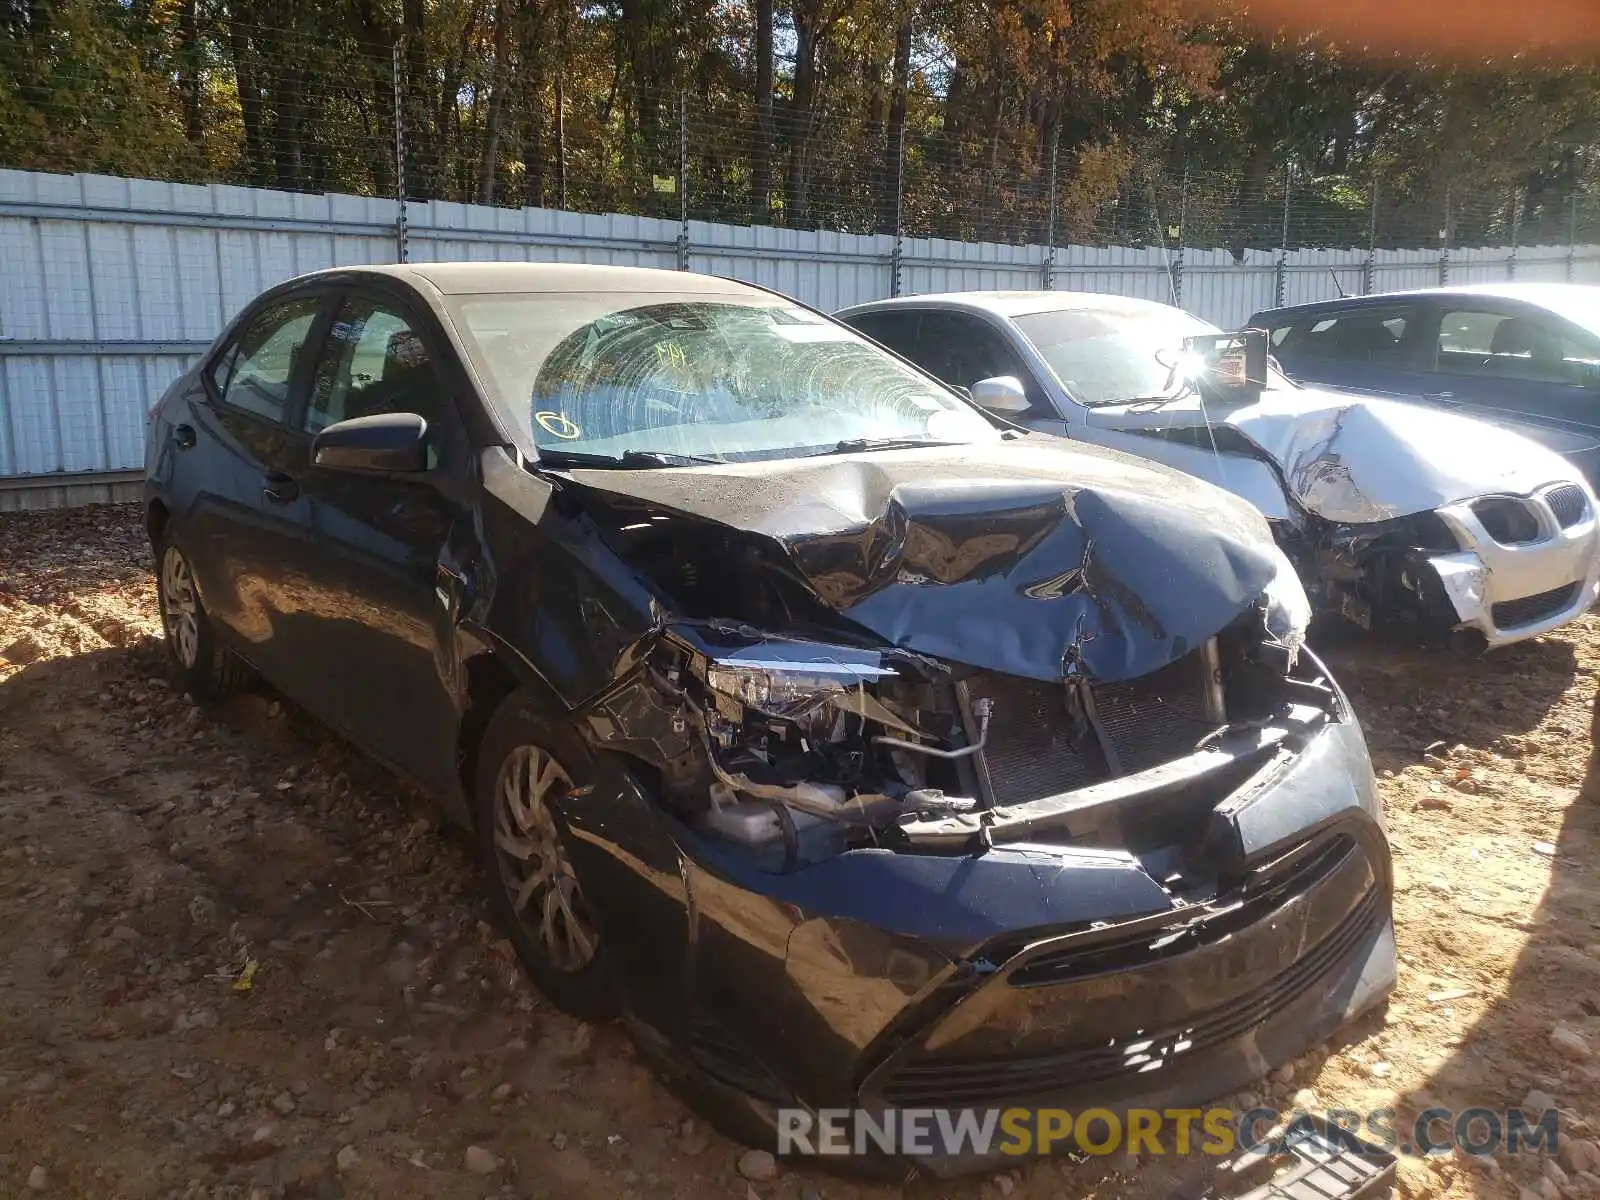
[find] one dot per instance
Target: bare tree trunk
(497, 107)
(250, 114)
(288, 127)
(531, 71)
(376, 38)
(189, 75)
(798, 200)
(761, 166)
(561, 142)
(422, 146)
(893, 151)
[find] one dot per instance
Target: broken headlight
(1287, 610)
(810, 685)
(789, 689)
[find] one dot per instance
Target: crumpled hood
(1036, 557)
(1356, 459)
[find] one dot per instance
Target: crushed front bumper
(1168, 1010)
(1513, 592)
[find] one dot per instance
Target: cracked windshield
(693, 377)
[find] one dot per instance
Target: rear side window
(1522, 348)
(254, 374)
(1369, 335)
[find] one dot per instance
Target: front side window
(720, 377)
(1365, 335)
(373, 362)
(1502, 346)
(255, 372)
(1114, 356)
(894, 328)
(962, 350)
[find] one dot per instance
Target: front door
(377, 647)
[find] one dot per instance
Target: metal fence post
(683, 182)
(402, 249)
(897, 255)
(1177, 259)
(1572, 240)
(1444, 239)
(1281, 287)
(1369, 272)
(1050, 222)
(1511, 258)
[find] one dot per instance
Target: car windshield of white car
(1107, 356)
(671, 380)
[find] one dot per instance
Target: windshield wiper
(1143, 403)
(628, 458)
(856, 445)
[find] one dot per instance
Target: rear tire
(525, 766)
(208, 670)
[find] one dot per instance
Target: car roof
(1010, 304)
(1555, 296)
(478, 278)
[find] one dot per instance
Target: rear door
(245, 515)
(375, 644)
(1375, 348)
(1523, 367)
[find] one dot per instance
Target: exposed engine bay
(801, 737)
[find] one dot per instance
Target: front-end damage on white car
(1413, 517)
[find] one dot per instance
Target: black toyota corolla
(854, 747)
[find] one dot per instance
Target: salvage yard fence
(110, 287)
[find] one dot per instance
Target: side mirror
(1003, 394)
(385, 444)
(1229, 362)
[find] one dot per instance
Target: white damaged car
(1394, 514)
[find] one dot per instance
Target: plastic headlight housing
(1287, 610)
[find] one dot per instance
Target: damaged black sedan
(856, 748)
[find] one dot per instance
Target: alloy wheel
(533, 863)
(180, 607)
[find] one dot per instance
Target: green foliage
(1097, 119)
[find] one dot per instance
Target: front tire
(525, 767)
(209, 671)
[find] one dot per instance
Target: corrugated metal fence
(110, 287)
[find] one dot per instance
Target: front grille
(1294, 874)
(1568, 503)
(1036, 748)
(1512, 614)
(1508, 520)
(1017, 1080)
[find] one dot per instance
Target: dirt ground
(237, 960)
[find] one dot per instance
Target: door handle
(1438, 395)
(279, 488)
(183, 437)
